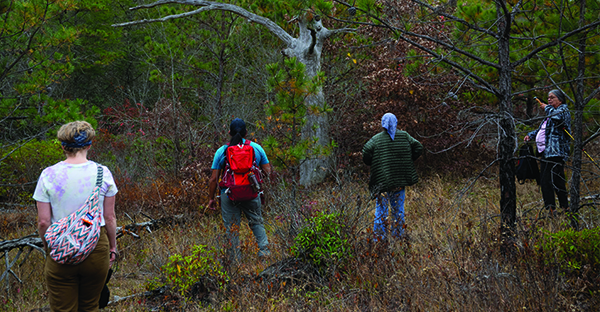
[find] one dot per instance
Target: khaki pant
(78, 287)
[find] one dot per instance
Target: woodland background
(459, 75)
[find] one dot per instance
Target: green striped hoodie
(391, 162)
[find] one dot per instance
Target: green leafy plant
(324, 242)
(573, 250)
(200, 266)
(20, 168)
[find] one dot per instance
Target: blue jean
(232, 214)
(396, 201)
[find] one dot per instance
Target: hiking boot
(264, 253)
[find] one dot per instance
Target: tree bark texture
(308, 49)
(577, 126)
(506, 126)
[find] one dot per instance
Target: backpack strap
(246, 142)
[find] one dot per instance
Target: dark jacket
(391, 162)
(557, 140)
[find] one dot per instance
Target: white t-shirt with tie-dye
(66, 187)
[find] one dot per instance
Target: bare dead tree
(307, 48)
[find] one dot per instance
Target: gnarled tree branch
(212, 6)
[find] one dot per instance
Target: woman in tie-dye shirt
(62, 189)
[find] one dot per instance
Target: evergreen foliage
(286, 115)
(43, 44)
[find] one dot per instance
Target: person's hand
(542, 104)
(114, 255)
(212, 204)
(527, 138)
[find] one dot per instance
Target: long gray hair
(559, 95)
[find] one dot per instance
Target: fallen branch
(152, 293)
(591, 197)
(32, 240)
(153, 224)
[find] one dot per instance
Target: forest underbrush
(452, 258)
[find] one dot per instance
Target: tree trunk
(577, 127)
(307, 50)
(506, 126)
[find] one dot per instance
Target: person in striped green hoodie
(391, 155)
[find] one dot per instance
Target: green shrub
(573, 250)
(324, 242)
(21, 167)
(201, 266)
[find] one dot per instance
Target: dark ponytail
(237, 130)
(236, 139)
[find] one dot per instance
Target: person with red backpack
(238, 165)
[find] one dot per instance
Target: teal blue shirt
(219, 159)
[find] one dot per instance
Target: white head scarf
(389, 122)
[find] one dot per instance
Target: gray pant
(231, 212)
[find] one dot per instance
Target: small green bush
(324, 242)
(20, 167)
(200, 266)
(573, 250)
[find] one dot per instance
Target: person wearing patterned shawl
(391, 155)
(552, 143)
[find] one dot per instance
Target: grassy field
(453, 259)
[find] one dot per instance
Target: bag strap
(99, 177)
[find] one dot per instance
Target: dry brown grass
(454, 259)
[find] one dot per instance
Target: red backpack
(241, 177)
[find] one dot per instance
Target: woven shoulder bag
(72, 238)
